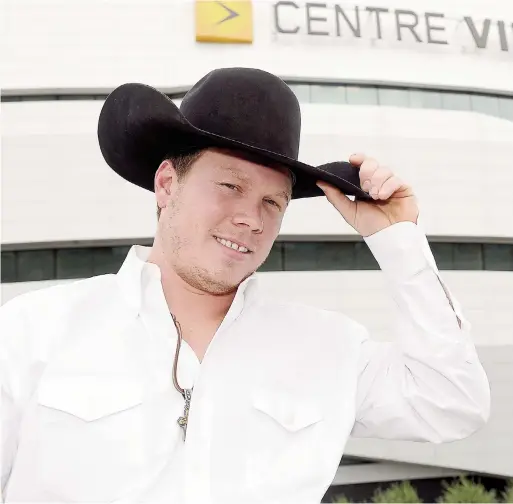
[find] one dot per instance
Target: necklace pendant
(182, 421)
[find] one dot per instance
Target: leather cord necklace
(186, 393)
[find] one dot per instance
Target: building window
(394, 97)
(327, 94)
(70, 263)
(506, 108)
(425, 99)
(357, 95)
(456, 101)
(407, 96)
(302, 91)
(34, 265)
(485, 104)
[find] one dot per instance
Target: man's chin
(217, 283)
(228, 284)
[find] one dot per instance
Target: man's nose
(251, 218)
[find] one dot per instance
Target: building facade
(425, 87)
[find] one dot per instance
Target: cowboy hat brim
(138, 126)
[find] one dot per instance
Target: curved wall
(93, 44)
(56, 189)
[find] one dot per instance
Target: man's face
(219, 223)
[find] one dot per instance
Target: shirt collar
(136, 265)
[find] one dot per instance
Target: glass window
(394, 97)
(364, 259)
(347, 259)
(357, 95)
(467, 256)
(506, 108)
(498, 257)
(456, 101)
(327, 94)
(75, 97)
(274, 261)
(74, 263)
(318, 256)
(485, 104)
(108, 259)
(8, 266)
(302, 91)
(39, 98)
(425, 99)
(35, 265)
(443, 254)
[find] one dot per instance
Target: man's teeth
(229, 244)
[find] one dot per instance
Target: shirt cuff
(401, 250)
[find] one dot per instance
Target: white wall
(57, 187)
(58, 44)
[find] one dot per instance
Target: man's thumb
(340, 201)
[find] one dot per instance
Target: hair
(182, 164)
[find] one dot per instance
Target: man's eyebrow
(285, 194)
(244, 178)
(234, 173)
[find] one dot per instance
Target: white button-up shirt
(89, 410)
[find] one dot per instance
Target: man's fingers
(379, 181)
(389, 187)
(394, 185)
(379, 177)
(357, 159)
(339, 200)
(367, 170)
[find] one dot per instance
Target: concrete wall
(94, 44)
(56, 187)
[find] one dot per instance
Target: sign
(224, 21)
(381, 26)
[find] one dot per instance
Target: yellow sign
(225, 22)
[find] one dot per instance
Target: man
(175, 380)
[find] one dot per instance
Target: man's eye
(272, 202)
(230, 186)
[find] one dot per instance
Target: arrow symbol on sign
(231, 13)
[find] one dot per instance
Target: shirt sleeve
(428, 385)
(13, 384)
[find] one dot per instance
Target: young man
(175, 380)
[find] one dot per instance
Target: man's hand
(394, 200)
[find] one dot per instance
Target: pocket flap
(89, 397)
(293, 414)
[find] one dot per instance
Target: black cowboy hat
(243, 109)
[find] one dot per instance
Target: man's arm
(429, 384)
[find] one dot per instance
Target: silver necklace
(186, 393)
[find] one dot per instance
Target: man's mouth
(233, 245)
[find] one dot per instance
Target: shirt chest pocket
(89, 435)
(286, 446)
(89, 397)
(293, 415)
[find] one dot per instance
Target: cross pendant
(182, 421)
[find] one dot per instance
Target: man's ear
(164, 177)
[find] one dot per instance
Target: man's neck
(199, 313)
